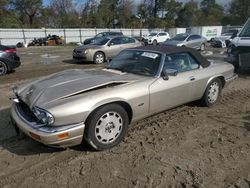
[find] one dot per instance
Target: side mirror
(111, 44)
(168, 72)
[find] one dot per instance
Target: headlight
(43, 116)
(86, 51)
(180, 44)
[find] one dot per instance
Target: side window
(191, 37)
(197, 37)
(162, 34)
(130, 40)
(193, 63)
(116, 41)
(179, 62)
(126, 40)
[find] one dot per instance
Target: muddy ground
(189, 146)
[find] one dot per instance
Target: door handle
(191, 78)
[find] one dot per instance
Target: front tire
(202, 47)
(3, 68)
(154, 42)
(99, 58)
(212, 92)
(106, 127)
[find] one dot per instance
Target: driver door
(165, 94)
(191, 41)
(114, 47)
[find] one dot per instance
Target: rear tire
(212, 93)
(99, 58)
(3, 68)
(106, 126)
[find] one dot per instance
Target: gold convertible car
(97, 105)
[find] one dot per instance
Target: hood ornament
(15, 90)
(15, 99)
(30, 91)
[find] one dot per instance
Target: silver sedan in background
(104, 48)
(188, 40)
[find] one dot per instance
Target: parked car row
(106, 45)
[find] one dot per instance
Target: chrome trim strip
(235, 76)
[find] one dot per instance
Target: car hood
(87, 46)
(172, 42)
(70, 83)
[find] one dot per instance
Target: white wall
(13, 36)
(174, 31)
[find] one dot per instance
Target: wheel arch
(6, 63)
(221, 77)
(123, 104)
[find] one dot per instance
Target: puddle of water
(48, 59)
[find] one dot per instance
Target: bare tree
(28, 8)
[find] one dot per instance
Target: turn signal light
(63, 135)
(35, 136)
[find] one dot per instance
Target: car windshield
(180, 37)
(101, 41)
(137, 62)
(152, 34)
(245, 32)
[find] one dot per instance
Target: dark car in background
(9, 60)
(225, 39)
(100, 35)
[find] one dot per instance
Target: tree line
(120, 13)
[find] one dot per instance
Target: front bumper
(80, 56)
(60, 136)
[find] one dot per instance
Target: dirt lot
(189, 146)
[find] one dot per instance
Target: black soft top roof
(173, 49)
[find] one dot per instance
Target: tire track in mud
(38, 168)
(52, 161)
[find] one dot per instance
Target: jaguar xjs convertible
(98, 105)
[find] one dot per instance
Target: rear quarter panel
(205, 75)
